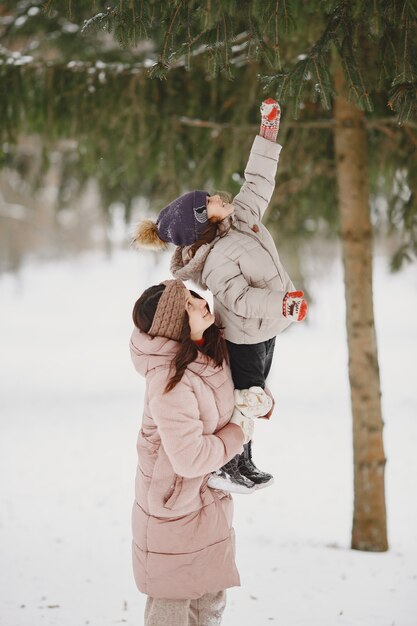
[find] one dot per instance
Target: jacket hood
(186, 267)
(150, 352)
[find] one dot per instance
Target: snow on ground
(70, 408)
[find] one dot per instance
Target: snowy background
(70, 409)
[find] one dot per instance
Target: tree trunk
(369, 530)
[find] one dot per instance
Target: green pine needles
(293, 39)
(86, 71)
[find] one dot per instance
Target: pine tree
(346, 68)
(358, 35)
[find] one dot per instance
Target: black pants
(250, 363)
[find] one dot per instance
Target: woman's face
(199, 316)
(218, 209)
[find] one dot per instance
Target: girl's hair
(210, 232)
(207, 235)
(214, 348)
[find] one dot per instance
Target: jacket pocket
(173, 493)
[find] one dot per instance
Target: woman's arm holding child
(176, 414)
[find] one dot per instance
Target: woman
(183, 540)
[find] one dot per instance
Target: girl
(183, 540)
(225, 248)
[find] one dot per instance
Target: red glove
(271, 115)
(294, 306)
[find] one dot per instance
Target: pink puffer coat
(183, 540)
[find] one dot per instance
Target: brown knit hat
(169, 314)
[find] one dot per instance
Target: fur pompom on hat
(181, 222)
(146, 235)
(169, 315)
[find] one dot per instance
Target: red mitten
(294, 306)
(271, 115)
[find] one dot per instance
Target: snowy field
(70, 409)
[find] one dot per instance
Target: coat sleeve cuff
(233, 438)
(266, 148)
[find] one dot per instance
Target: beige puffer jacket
(242, 268)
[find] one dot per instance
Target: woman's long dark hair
(214, 348)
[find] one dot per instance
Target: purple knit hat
(183, 220)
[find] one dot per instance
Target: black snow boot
(229, 478)
(248, 468)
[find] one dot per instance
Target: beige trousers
(206, 611)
